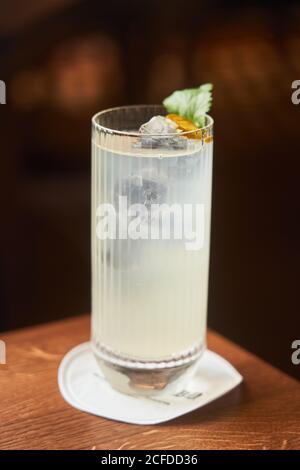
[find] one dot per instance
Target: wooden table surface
(262, 413)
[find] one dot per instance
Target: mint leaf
(191, 103)
(178, 102)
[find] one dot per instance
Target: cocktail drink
(151, 206)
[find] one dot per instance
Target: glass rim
(109, 130)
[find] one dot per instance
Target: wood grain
(262, 413)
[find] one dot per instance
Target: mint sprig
(191, 103)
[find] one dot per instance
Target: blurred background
(64, 60)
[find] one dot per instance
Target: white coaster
(83, 386)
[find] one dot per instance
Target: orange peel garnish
(185, 125)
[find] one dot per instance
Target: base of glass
(147, 378)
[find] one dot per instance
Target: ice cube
(151, 142)
(140, 190)
(150, 134)
(159, 125)
(126, 254)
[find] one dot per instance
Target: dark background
(63, 60)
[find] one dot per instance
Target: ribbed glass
(149, 296)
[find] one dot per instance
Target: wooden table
(262, 413)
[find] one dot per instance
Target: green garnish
(191, 103)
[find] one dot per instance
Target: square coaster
(83, 386)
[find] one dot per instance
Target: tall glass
(151, 209)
